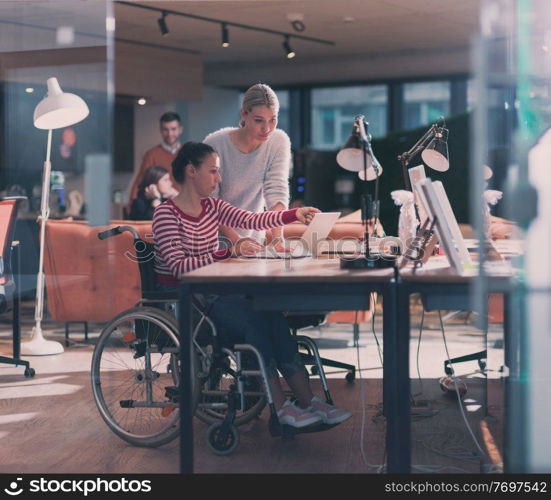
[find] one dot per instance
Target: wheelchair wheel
(212, 393)
(134, 375)
(222, 442)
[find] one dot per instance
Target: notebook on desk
(317, 231)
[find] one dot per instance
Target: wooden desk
(294, 285)
(444, 289)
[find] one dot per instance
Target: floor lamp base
(39, 346)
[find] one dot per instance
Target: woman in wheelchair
(185, 231)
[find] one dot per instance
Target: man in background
(163, 153)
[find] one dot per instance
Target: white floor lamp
(57, 110)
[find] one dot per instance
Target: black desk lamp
(357, 156)
(434, 145)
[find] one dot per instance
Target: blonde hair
(259, 95)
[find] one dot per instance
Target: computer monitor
(435, 211)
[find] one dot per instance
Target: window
(283, 120)
(424, 103)
(334, 109)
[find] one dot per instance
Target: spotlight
(225, 35)
(142, 101)
(289, 51)
(162, 25)
(29, 90)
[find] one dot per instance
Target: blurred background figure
(154, 188)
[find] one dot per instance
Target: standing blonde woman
(254, 161)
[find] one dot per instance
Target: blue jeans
(237, 322)
(235, 319)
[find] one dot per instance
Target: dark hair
(151, 176)
(191, 152)
(170, 116)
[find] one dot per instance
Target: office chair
(432, 303)
(9, 278)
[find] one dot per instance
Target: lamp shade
(350, 157)
(59, 109)
(372, 174)
(435, 155)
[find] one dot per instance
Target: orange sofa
(88, 279)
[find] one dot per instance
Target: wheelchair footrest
(278, 430)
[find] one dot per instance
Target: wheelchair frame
(145, 376)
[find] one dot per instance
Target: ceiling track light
(225, 25)
(162, 24)
(287, 47)
(225, 35)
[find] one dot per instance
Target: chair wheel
(29, 372)
(448, 370)
(220, 442)
(350, 377)
(314, 370)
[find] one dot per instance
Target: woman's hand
(279, 245)
(501, 230)
(172, 193)
(246, 246)
(306, 214)
(152, 191)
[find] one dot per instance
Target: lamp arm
(419, 145)
(406, 157)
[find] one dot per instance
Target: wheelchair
(135, 370)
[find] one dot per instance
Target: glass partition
(511, 132)
(56, 156)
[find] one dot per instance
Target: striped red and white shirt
(184, 243)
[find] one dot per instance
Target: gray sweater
(253, 181)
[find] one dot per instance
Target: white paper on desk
(270, 253)
(509, 247)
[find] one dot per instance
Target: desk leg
(396, 385)
(186, 410)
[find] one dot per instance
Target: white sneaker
(290, 414)
(328, 413)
